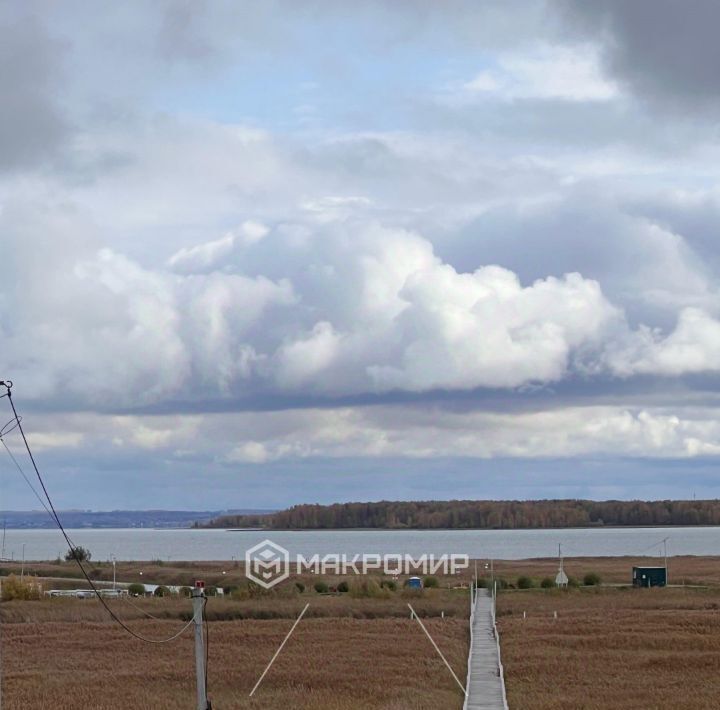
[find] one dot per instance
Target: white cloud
(206, 256)
(194, 240)
(692, 347)
(333, 207)
(303, 360)
(249, 452)
(349, 307)
(403, 431)
(148, 433)
(202, 256)
(53, 440)
(484, 81)
(548, 72)
(110, 332)
(485, 329)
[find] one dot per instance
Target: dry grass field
(611, 648)
(615, 570)
(345, 654)
(688, 570)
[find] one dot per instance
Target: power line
(650, 547)
(140, 609)
(22, 473)
(73, 549)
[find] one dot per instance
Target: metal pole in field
(113, 561)
(22, 569)
(666, 567)
(198, 602)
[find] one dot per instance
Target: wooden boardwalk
(485, 680)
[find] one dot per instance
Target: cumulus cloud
(302, 361)
(406, 321)
(183, 240)
(485, 329)
(354, 308)
(692, 347)
(110, 332)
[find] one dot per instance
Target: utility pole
(561, 571)
(666, 565)
(198, 602)
(561, 579)
(113, 561)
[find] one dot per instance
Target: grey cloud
(335, 295)
(662, 49)
(33, 125)
(643, 266)
(183, 33)
(693, 213)
(555, 126)
(358, 454)
(183, 258)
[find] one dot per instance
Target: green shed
(649, 576)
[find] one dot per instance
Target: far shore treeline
(474, 514)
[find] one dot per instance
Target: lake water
(146, 544)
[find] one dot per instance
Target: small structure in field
(415, 583)
(649, 576)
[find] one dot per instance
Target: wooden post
(198, 602)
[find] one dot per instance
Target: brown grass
(687, 569)
(611, 648)
(618, 570)
(64, 654)
(219, 574)
(432, 603)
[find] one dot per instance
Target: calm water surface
(146, 544)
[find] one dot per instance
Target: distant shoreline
(567, 527)
(356, 529)
(479, 515)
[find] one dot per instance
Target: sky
(259, 254)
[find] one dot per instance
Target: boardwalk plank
(485, 683)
